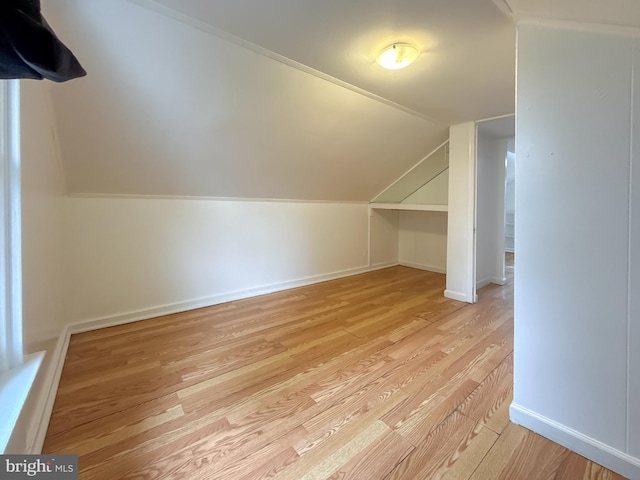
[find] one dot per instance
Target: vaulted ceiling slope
(189, 101)
(466, 71)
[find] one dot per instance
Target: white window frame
(17, 373)
(11, 350)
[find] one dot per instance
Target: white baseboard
(44, 405)
(499, 280)
(168, 309)
(380, 266)
(588, 447)
(456, 296)
(428, 268)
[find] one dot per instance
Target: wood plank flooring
(375, 376)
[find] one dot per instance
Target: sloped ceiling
(466, 71)
(277, 99)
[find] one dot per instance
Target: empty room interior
(323, 240)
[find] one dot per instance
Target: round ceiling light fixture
(397, 56)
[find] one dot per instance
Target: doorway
(493, 231)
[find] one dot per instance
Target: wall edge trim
(599, 452)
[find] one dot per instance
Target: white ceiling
(504, 127)
(624, 13)
(466, 71)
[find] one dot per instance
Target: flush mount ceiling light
(397, 56)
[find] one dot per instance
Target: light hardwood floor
(375, 376)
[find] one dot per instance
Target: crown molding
(577, 25)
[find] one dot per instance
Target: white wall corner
(381, 265)
(420, 266)
(461, 220)
(383, 237)
(599, 452)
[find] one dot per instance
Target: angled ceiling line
(504, 7)
(416, 165)
(498, 117)
(210, 29)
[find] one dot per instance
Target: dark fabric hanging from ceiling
(29, 48)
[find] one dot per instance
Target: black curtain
(28, 46)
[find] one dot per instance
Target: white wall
(490, 184)
(423, 240)
(42, 219)
(460, 241)
(435, 192)
(42, 246)
(384, 237)
(577, 317)
(139, 256)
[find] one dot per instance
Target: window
(10, 258)
(16, 374)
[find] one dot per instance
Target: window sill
(14, 388)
